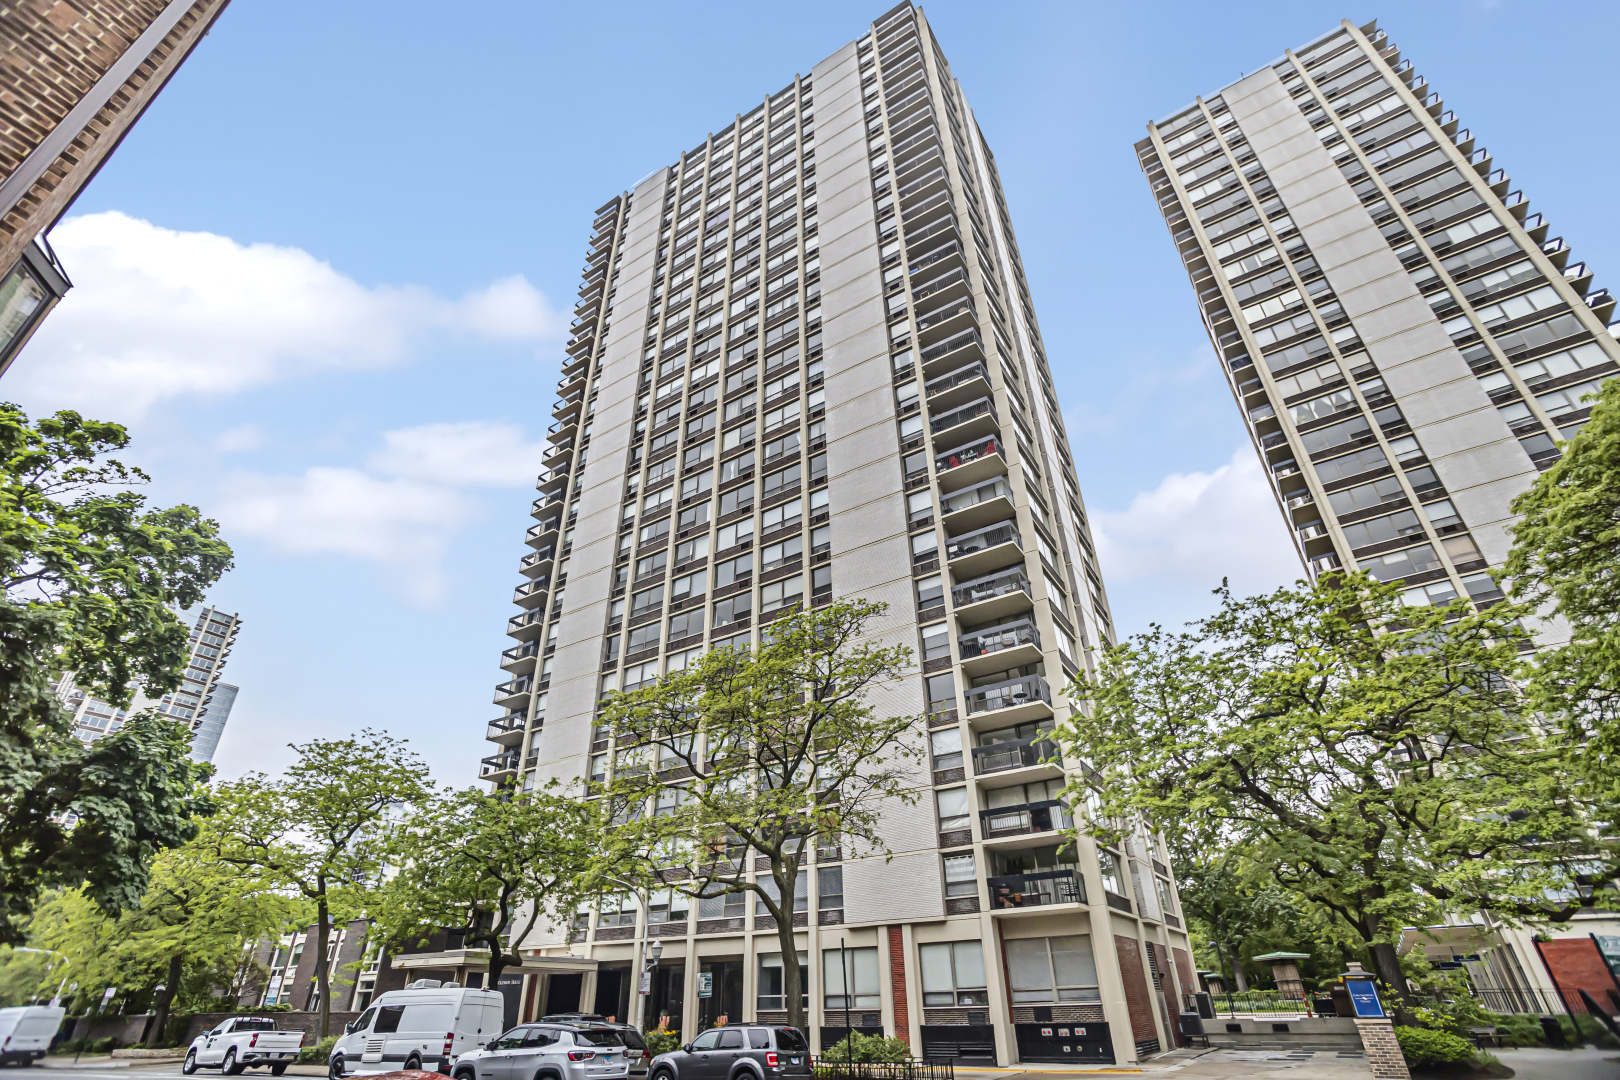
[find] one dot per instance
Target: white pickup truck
(243, 1042)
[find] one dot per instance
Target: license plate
(793, 1061)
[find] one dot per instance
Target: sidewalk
(1191, 1064)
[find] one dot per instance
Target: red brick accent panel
(1575, 965)
(1136, 988)
(897, 983)
(1383, 1052)
(1184, 972)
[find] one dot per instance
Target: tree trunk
(1387, 965)
(323, 970)
(171, 986)
(792, 974)
(1240, 982)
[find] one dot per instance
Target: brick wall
(897, 983)
(1383, 1052)
(1137, 998)
(1184, 971)
(1575, 964)
(52, 52)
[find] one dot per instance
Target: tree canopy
(1566, 562)
(323, 829)
(1374, 758)
(754, 757)
(491, 866)
(88, 576)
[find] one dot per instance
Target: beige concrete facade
(831, 283)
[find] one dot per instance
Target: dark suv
(737, 1052)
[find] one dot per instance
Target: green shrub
(69, 1046)
(1584, 1028)
(866, 1048)
(1519, 1029)
(318, 1053)
(103, 1046)
(1423, 1046)
(662, 1042)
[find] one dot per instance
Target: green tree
(87, 576)
(1380, 775)
(757, 756)
(490, 866)
(322, 830)
(1232, 907)
(198, 914)
(1566, 561)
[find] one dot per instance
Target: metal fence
(1542, 1002)
(826, 1069)
(1524, 1002)
(1259, 1003)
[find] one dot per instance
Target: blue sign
(1364, 998)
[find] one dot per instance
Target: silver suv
(548, 1052)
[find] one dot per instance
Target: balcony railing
(966, 338)
(1037, 890)
(1007, 695)
(1035, 817)
(971, 411)
(518, 652)
(1016, 754)
(991, 586)
(965, 373)
(993, 489)
(994, 639)
(498, 763)
(982, 539)
(967, 452)
(506, 725)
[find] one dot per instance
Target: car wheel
(190, 1065)
(229, 1067)
(278, 1069)
(412, 1064)
(334, 1068)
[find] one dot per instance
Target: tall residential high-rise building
(1404, 339)
(74, 79)
(202, 701)
(1406, 343)
(805, 364)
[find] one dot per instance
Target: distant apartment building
(74, 77)
(805, 365)
(1406, 342)
(202, 701)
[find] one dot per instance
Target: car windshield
(597, 1037)
(789, 1039)
(253, 1023)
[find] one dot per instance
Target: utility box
(1206, 1007)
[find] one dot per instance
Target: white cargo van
(26, 1032)
(417, 1028)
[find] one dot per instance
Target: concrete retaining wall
(1266, 1033)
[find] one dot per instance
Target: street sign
(1364, 997)
(646, 981)
(706, 984)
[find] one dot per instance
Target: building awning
(478, 959)
(1458, 937)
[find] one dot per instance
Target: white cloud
(156, 313)
(404, 526)
(1196, 528)
(239, 438)
(401, 512)
(476, 452)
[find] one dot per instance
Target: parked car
(636, 1050)
(26, 1032)
(737, 1052)
(580, 1051)
(421, 1027)
(243, 1042)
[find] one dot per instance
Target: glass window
(947, 747)
(706, 1040)
(953, 974)
(732, 1038)
(852, 972)
(830, 888)
(961, 876)
(1108, 864)
(930, 592)
(952, 804)
(770, 981)
(941, 692)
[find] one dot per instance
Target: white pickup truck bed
(244, 1042)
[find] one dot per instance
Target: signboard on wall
(706, 984)
(1364, 998)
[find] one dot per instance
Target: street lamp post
(644, 975)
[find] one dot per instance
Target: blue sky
(324, 282)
